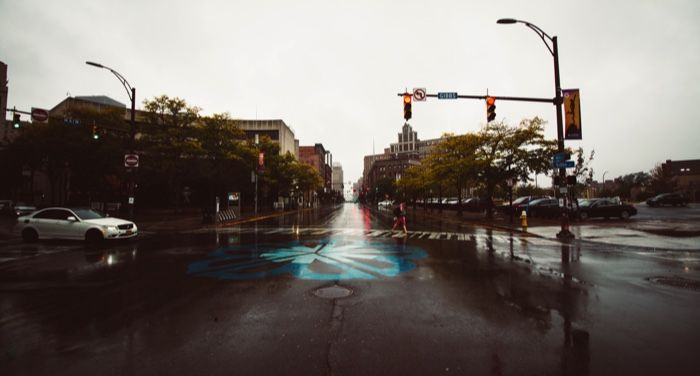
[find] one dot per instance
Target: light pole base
(565, 234)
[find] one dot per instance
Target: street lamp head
(507, 21)
(94, 64)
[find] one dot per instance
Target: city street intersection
(335, 292)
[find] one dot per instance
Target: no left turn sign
(419, 94)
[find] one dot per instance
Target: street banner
(572, 114)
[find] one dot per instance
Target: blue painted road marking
(320, 260)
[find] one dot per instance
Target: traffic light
(407, 106)
(95, 132)
(15, 121)
(490, 109)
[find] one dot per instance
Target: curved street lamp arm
(123, 81)
(542, 35)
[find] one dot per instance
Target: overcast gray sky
(331, 69)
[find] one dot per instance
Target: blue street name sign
(560, 157)
(565, 164)
(447, 95)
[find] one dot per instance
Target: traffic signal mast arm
(17, 111)
(483, 97)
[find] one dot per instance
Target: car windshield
(521, 200)
(586, 203)
(88, 214)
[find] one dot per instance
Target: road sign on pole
(39, 115)
(419, 94)
(565, 164)
(131, 160)
(449, 95)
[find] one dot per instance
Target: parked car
(451, 201)
(385, 204)
(519, 204)
(673, 199)
(472, 204)
(5, 206)
(605, 208)
(543, 207)
(17, 209)
(73, 223)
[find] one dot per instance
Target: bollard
(523, 220)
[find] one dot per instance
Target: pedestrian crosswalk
(356, 232)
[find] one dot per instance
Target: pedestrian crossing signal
(490, 109)
(407, 106)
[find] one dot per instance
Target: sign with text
(565, 164)
(447, 95)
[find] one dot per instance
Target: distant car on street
(605, 208)
(673, 199)
(73, 223)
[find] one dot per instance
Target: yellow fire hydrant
(523, 220)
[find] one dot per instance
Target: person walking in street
(400, 217)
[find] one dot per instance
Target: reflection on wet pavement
(245, 299)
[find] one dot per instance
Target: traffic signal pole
(557, 102)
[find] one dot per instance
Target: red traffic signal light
(490, 109)
(407, 106)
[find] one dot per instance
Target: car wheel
(624, 214)
(583, 216)
(93, 236)
(29, 235)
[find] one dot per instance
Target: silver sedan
(74, 223)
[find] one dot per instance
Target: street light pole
(131, 92)
(558, 101)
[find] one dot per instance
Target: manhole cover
(333, 292)
(685, 283)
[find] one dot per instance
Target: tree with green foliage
(662, 180)
(412, 184)
(79, 168)
(169, 146)
(453, 160)
(511, 152)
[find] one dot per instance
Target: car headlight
(110, 228)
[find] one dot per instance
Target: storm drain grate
(685, 283)
(333, 292)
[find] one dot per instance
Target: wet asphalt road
(332, 293)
